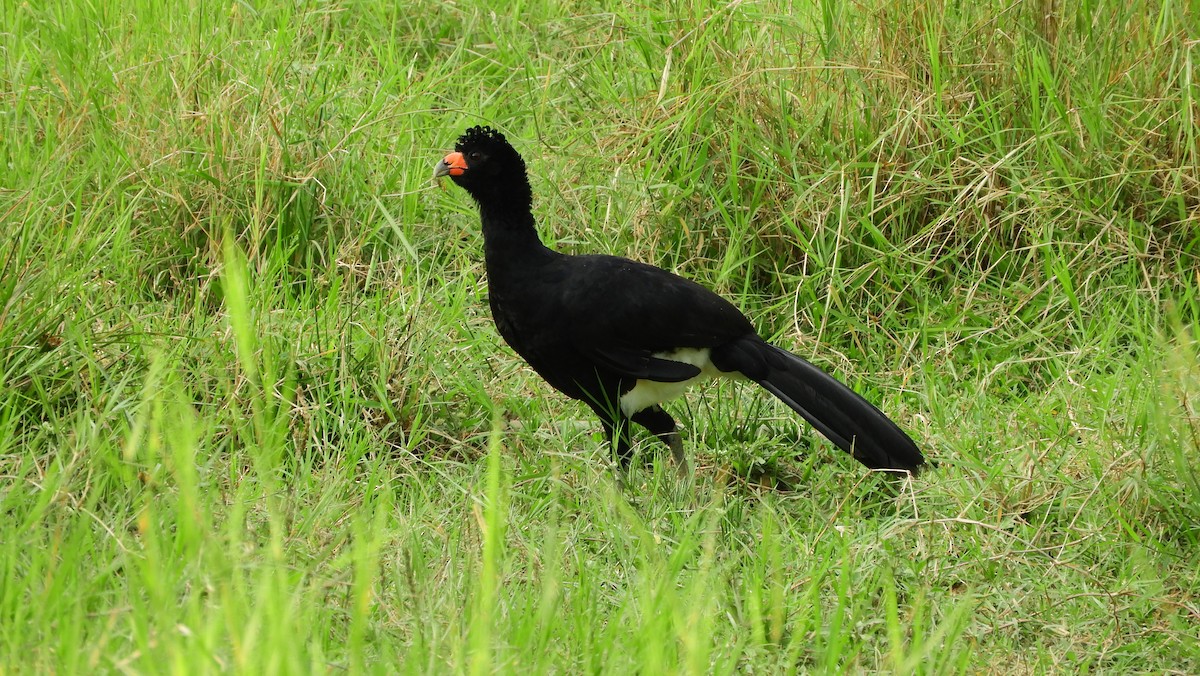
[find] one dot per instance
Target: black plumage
(623, 336)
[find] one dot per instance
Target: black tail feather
(841, 414)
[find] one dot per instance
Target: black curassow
(623, 336)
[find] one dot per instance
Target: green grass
(254, 416)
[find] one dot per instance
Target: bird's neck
(510, 237)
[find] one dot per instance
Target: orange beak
(453, 164)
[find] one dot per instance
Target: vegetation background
(254, 416)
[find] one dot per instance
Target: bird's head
(486, 166)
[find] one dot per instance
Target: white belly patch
(647, 393)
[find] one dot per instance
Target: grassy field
(254, 416)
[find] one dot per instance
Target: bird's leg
(617, 428)
(662, 425)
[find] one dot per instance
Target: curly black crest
(479, 135)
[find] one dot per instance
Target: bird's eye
(474, 155)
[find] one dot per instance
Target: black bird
(623, 336)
